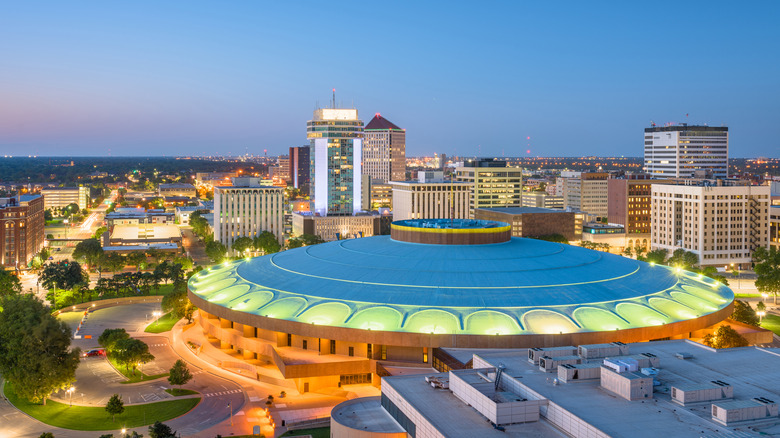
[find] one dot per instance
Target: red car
(95, 352)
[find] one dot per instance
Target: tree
(242, 244)
(110, 337)
(46, 435)
(744, 313)
(115, 406)
(88, 251)
(63, 275)
(35, 354)
(112, 262)
(180, 374)
(657, 256)
(178, 304)
(724, 337)
(628, 251)
(767, 267)
(137, 259)
(560, 238)
(683, 259)
(47, 216)
(760, 307)
(267, 243)
(304, 240)
(99, 233)
(161, 430)
(130, 352)
(216, 251)
(9, 283)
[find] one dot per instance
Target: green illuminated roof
(523, 286)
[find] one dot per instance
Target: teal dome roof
(523, 286)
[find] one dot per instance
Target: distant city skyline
(573, 79)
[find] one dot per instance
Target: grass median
(138, 376)
(162, 324)
(771, 322)
(96, 418)
(178, 392)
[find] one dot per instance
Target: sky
(463, 78)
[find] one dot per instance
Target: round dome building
(330, 311)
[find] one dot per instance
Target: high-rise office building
(384, 150)
(494, 184)
(678, 151)
(246, 209)
(721, 221)
(336, 137)
(299, 168)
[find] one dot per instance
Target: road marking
(217, 394)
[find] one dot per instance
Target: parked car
(95, 352)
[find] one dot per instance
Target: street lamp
(70, 391)
(760, 314)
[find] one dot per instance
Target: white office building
(678, 151)
(246, 209)
(430, 200)
(721, 221)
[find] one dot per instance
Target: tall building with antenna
(678, 151)
(384, 150)
(336, 143)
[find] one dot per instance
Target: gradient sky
(466, 78)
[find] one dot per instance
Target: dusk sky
(466, 78)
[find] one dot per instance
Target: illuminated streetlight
(70, 391)
(760, 314)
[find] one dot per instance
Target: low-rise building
(177, 190)
(505, 395)
(60, 197)
(331, 228)
(536, 222)
(542, 200)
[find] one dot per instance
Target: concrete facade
(494, 184)
(246, 209)
(60, 197)
(430, 200)
(678, 151)
(722, 222)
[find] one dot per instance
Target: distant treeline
(59, 169)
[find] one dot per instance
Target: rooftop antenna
(334, 99)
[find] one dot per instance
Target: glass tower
(336, 138)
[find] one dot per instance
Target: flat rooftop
(447, 224)
(454, 418)
(145, 231)
(365, 413)
(752, 372)
(524, 210)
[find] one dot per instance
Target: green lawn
(755, 295)
(320, 432)
(134, 378)
(96, 418)
(771, 322)
(163, 324)
(176, 392)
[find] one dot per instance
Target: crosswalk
(217, 394)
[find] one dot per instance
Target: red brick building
(21, 230)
